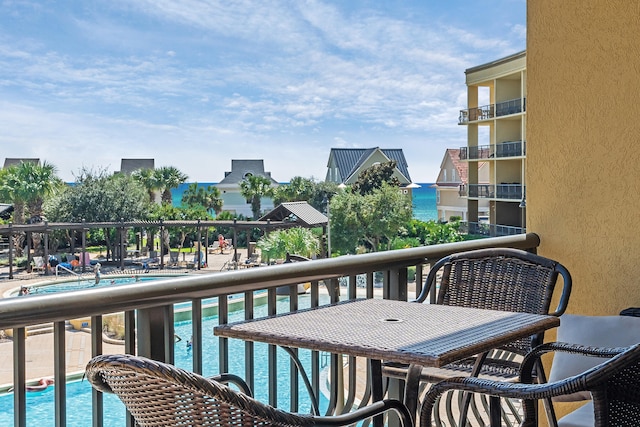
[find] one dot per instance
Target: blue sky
(196, 83)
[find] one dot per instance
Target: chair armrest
(235, 380)
(566, 290)
(376, 408)
(534, 355)
(527, 392)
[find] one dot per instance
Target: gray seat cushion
(596, 331)
(581, 417)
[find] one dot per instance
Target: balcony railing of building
(148, 309)
(502, 191)
(485, 112)
(490, 230)
(502, 150)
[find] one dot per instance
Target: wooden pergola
(47, 227)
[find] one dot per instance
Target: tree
(169, 212)
(27, 185)
(433, 232)
(168, 178)
(100, 197)
(371, 221)
(208, 198)
(374, 176)
(298, 240)
(149, 179)
(298, 189)
(253, 188)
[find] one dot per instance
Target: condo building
(495, 118)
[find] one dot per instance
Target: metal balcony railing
(509, 191)
(149, 315)
(504, 149)
(491, 230)
(484, 191)
(485, 112)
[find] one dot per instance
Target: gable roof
(241, 168)
(130, 165)
(462, 168)
(9, 161)
(349, 160)
(452, 156)
(301, 212)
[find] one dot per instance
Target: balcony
(491, 230)
(486, 112)
(502, 150)
(504, 191)
(150, 316)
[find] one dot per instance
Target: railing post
(155, 333)
(84, 246)
(46, 251)
(199, 234)
(398, 284)
(10, 251)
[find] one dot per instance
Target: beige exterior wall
(583, 172)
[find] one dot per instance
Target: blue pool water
(40, 406)
(73, 285)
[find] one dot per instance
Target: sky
(196, 83)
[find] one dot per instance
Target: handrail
(22, 312)
(149, 314)
(62, 267)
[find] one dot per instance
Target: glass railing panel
(509, 191)
(482, 190)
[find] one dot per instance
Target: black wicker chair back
(499, 279)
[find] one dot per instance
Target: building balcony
(490, 230)
(486, 112)
(494, 151)
(504, 191)
(152, 313)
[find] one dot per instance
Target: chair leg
(548, 405)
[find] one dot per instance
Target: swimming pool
(40, 405)
(74, 285)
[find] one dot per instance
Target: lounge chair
(157, 394)
(38, 264)
(173, 258)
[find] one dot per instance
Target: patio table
(395, 331)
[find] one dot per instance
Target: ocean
(424, 199)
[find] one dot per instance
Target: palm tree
(253, 188)
(148, 178)
(26, 185)
(169, 177)
(208, 198)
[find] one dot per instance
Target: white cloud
(188, 81)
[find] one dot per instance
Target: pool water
(74, 285)
(40, 405)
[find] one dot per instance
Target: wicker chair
(498, 279)
(614, 386)
(158, 394)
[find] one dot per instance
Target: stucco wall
(583, 146)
